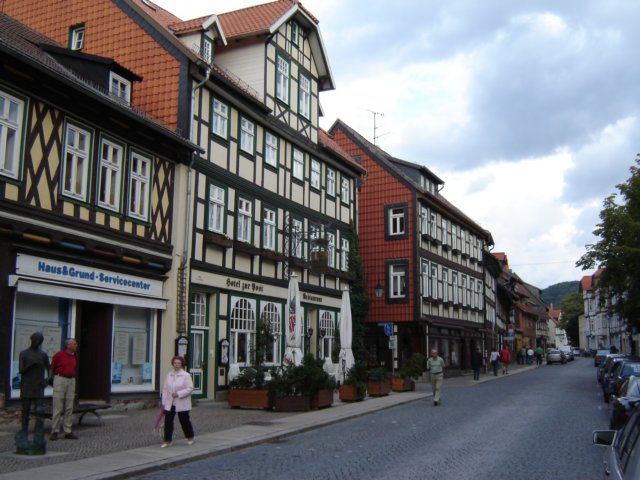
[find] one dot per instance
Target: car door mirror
(603, 437)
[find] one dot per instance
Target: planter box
(293, 403)
(378, 389)
(349, 393)
(217, 239)
(322, 399)
(250, 398)
(402, 384)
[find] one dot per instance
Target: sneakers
(71, 436)
(54, 436)
(189, 441)
(165, 445)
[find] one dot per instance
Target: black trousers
(185, 423)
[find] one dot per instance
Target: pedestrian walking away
(505, 359)
(529, 356)
(176, 398)
(64, 367)
(476, 363)
(435, 367)
(539, 353)
(494, 359)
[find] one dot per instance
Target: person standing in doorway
(494, 359)
(505, 360)
(435, 366)
(476, 363)
(176, 398)
(64, 367)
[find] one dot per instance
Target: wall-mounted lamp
(378, 290)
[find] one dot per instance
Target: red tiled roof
(188, 26)
(328, 142)
(586, 283)
(160, 15)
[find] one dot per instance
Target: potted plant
(413, 368)
(291, 392)
(378, 383)
(250, 389)
(354, 386)
(322, 384)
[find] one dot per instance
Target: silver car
(622, 457)
(555, 356)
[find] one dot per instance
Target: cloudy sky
(528, 110)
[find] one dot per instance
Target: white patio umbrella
(346, 333)
(293, 349)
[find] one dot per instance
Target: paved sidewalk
(125, 445)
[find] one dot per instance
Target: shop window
(133, 351)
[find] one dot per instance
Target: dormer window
(119, 87)
(76, 37)
(295, 33)
(206, 49)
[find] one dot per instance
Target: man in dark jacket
(33, 362)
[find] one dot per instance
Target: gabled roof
(394, 165)
(32, 48)
(329, 143)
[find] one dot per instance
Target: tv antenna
(375, 126)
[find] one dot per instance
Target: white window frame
(110, 181)
(304, 96)
(244, 220)
(11, 130)
(331, 182)
(220, 118)
(247, 136)
(298, 164)
(272, 312)
(297, 243)
(425, 278)
(198, 310)
(455, 298)
(397, 281)
(282, 78)
(206, 49)
(139, 185)
(331, 249)
(295, 33)
(397, 221)
(344, 254)
(217, 205)
(269, 228)
(119, 87)
(76, 38)
(444, 285)
(271, 144)
(242, 319)
(76, 157)
(315, 173)
(345, 190)
(327, 323)
(424, 220)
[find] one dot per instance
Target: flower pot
(401, 384)
(322, 399)
(250, 398)
(378, 389)
(349, 393)
(292, 403)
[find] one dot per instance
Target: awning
(100, 296)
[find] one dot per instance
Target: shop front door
(94, 327)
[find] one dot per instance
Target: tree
(572, 307)
(360, 301)
(618, 250)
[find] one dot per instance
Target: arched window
(271, 313)
(243, 329)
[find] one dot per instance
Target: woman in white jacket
(176, 398)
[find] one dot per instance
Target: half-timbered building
(86, 214)
(423, 259)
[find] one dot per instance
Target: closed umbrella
(346, 332)
(293, 350)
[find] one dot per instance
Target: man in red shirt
(64, 367)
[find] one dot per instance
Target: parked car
(576, 352)
(621, 459)
(555, 356)
(622, 405)
(568, 352)
(599, 356)
(622, 371)
(606, 367)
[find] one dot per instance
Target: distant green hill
(553, 294)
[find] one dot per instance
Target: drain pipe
(182, 280)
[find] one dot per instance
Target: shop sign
(70, 273)
(244, 286)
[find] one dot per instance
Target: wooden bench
(81, 409)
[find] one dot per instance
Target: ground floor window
(133, 352)
(243, 329)
(327, 333)
(35, 313)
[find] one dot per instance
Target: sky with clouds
(528, 110)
